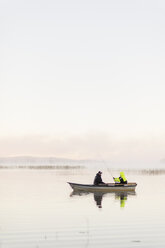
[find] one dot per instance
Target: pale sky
(78, 77)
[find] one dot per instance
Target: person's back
(123, 178)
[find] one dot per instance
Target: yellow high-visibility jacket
(123, 176)
(118, 179)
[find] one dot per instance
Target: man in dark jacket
(98, 179)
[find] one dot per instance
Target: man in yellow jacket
(122, 179)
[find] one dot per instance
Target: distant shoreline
(78, 167)
(38, 167)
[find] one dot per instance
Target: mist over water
(53, 162)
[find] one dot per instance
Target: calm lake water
(39, 209)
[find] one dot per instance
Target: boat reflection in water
(98, 196)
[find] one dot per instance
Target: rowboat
(108, 187)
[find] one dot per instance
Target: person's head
(100, 172)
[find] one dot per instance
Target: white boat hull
(110, 187)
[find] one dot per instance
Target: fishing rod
(110, 172)
(108, 169)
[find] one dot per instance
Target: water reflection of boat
(98, 196)
(110, 187)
